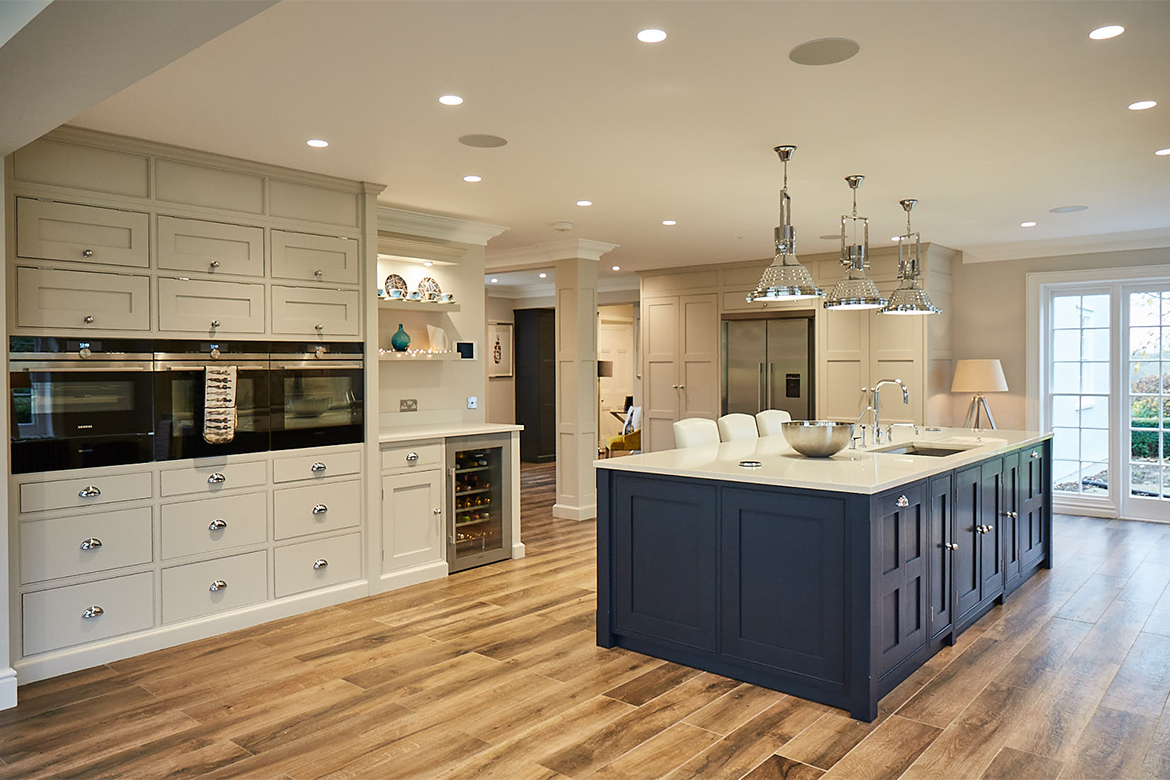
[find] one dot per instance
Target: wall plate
(408, 404)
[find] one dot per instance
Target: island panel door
(1033, 508)
(1010, 517)
(899, 571)
(783, 581)
(991, 514)
(665, 559)
(941, 557)
(967, 574)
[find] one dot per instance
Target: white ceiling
(990, 113)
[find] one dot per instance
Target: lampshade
(979, 376)
(605, 369)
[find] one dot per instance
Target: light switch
(472, 402)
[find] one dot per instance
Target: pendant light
(856, 290)
(909, 298)
(785, 279)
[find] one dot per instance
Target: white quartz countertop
(442, 431)
(849, 471)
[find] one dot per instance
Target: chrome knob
(411, 457)
(92, 491)
(93, 612)
(902, 501)
(1035, 454)
(91, 544)
(990, 528)
(215, 323)
(88, 319)
(216, 479)
(320, 563)
(320, 509)
(318, 273)
(218, 524)
(437, 511)
(217, 586)
(85, 353)
(317, 467)
(87, 253)
(214, 264)
(1012, 515)
(682, 387)
(319, 326)
(951, 546)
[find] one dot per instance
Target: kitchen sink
(922, 450)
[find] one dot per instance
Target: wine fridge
(479, 516)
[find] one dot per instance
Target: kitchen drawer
(210, 247)
(315, 508)
(93, 542)
(210, 307)
(212, 524)
(215, 478)
(240, 580)
(314, 258)
(81, 299)
(317, 564)
(414, 456)
(84, 492)
(55, 618)
(84, 234)
(310, 312)
(316, 466)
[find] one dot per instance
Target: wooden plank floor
(493, 673)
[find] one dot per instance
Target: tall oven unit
(479, 514)
(317, 394)
(79, 403)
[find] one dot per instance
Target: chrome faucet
(890, 429)
(877, 423)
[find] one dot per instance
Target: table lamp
(978, 377)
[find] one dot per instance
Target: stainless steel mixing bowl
(817, 438)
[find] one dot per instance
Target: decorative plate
(428, 289)
(395, 282)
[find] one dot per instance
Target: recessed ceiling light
(584, 203)
(451, 100)
(617, 268)
(495, 281)
(894, 238)
(829, 236)
(1162, 152)
(481, 141)
(824, 51)
(1107, 32)
(427, 263)
(1142, 105)
(473, 178)
(669, 222)
(544, 276)
(317, 143)
(1027, 224)
(1067, 209)
(652, 36)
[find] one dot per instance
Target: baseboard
(566, 512)
(518, 550)
(7, 688)
(413, 576)
(73, 659)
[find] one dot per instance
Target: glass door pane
(1147, 402)
(479, 510)
(1078, 398)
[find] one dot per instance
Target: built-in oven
(79, 403)
(181, 388)
(317, 394)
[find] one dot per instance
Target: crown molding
(548, 252)
(436, 226)
(1076, 245)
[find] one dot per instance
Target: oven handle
(303, 365)
(104, 366)
(189, 366)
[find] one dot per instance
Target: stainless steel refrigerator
(767, 364)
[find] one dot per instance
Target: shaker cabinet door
(1035, 518)
(412, 520)
(314, 258)
(196, 306)
(899, 574)
(967, 519)
(84, 300)
(1009, 519)
(210, 247)
(943, 551)
(47, 230)
(303, 311)
(991, 555)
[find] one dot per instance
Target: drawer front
(212, 524)
(315, 508)
(81, 299)
(86, 492)
(308, 312)
(92, 542)
(210, 247)
(416, 456)
(83, 234)
(314, 258)
(210, 307)
(214, 478)
(214, 586)
(316, 466)
(311, 565)
(57, 618)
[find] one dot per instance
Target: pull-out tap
(877, 423)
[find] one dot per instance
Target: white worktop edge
(442, 431)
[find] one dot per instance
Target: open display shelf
(420, 306)
(396, 357)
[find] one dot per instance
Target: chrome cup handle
(317, 467)
(218, 524)
(91, 491)
(91, 543)
(320, 509)
(93, 612)
(217, 586)
(216, 479)
(320, 563)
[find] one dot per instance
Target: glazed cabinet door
(943, 550)
(966, 534)
(899, 569)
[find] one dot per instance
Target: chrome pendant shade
(785, 279)
(856, 290)
(909, 298)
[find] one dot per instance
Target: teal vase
(400, 340)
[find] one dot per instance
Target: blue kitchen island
(830, 579)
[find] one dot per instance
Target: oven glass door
(179, 392)
(315, 405)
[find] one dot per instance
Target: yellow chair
(630, 440)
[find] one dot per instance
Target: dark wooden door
(1010, 518)
(783, 581)
(967, 572)
(665, 559)
(991, 544)
(1034, 521)
(940, 560)
(899, 575)
(536, 383)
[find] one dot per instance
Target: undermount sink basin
(922, 450)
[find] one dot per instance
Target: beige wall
(501, 391)
(990, 310)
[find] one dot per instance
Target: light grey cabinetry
(305, 311)
(47, 230)
(314, 258)
(61, 299)
(197, 306)
(413, 545)
(210, 247)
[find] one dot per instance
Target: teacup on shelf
(414, 296)
(395, 294)
(446, 297)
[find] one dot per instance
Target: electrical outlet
(472, 402)
(408, 404)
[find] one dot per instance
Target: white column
(7, 675)
(576, 352)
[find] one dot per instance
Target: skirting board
(7, 688)
(413, 575)
(518, 550)
(566, 512)
(72, 659)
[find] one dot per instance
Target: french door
(1146, 401)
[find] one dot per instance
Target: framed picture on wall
(499, 349)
